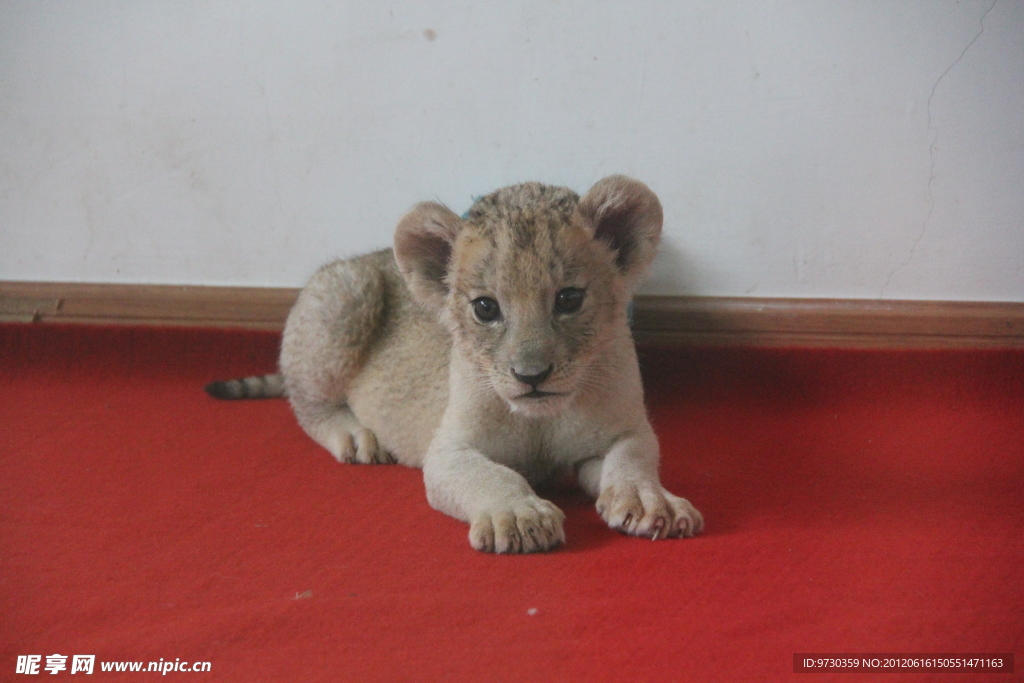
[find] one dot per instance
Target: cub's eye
(569, 300)
(486, 309)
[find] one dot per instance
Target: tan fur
(385, 359)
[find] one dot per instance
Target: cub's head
(534, 281)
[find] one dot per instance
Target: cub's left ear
(626, 215)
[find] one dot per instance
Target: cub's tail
(262, 386)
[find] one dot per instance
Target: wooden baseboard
(657, 320)
(247, 307)
(840, 323)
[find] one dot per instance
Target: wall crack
(933, 137)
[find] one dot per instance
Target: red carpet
(855, 501)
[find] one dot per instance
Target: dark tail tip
(260, 386)
(225, 391)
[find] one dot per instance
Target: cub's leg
(325, 343)
(504, 514)
(630, 497)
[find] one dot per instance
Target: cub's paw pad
(649, 512)
(526, 526)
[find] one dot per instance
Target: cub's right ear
(423, 248)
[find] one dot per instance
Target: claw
(685, 529)
(659, 524)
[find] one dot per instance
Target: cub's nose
(532, 379)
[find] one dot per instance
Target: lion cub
(493, 351)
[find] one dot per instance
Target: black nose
(533, 380)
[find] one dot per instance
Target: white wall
(801, 148)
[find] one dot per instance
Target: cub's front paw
(652, 512)
(525, 526)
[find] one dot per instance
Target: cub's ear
(626, 215)
(423, 247)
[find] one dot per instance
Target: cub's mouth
(537, 393)
(539, 400)
(538, 403)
